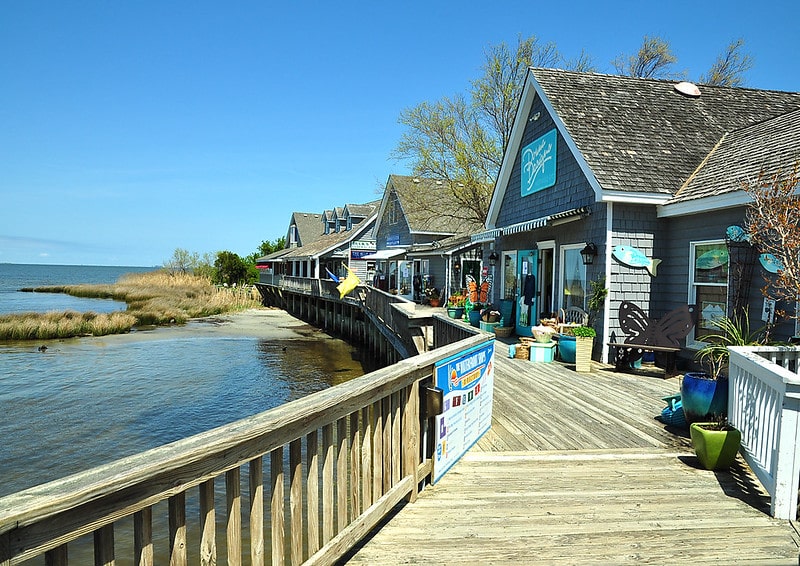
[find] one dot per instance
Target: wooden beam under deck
(577, 470)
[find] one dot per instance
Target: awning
(486, 236)
(386, 254)
(543, 221)
(526, 226)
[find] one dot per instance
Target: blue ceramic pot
(566, 348)
(475, 318)
(703, 397)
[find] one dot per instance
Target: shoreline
(262, 323)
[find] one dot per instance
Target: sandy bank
(263, 323)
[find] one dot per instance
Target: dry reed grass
(154, 298)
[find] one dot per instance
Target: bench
(644, 334)
(624, 354)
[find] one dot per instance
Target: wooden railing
(330, 466)
(764, 404)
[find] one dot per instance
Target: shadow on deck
(577, 469)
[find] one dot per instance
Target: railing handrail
(764, 404)
(130, 484)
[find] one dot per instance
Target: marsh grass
(154, 298)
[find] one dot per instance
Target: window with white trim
(708, 285)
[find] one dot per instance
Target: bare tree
(460, 140)
(653, 60)
(730, 66)
(773, 223)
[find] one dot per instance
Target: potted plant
(455, 306)
(584, 343)
(474, 315)
(716, 443)
(705, 393)
(432, 293)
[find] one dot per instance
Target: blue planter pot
(566, 348)
(475, 318)
(455, 312)
(703, 397)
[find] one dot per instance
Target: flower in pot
(584, 343)
(704, 394)
(432, 293)
(716, 443)
(455, 306)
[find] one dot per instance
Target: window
(708, 284)
(393, 212)
(573, 277)
(293, 234)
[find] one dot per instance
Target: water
(14, 277)
(84, 402)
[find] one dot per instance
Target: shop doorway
(527, 291)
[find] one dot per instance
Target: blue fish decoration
(770, 263)
(737, 234)
(635, 258)
(712, 259)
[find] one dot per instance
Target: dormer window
(293, 235)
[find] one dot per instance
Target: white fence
(764, 404)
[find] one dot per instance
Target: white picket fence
(764, 404)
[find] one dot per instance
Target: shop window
(708, 285)
(510, 275)
(573, 277)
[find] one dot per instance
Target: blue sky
(129, 129)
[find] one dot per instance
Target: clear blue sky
(129, 129)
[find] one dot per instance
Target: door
(405, 287)
(526, 307)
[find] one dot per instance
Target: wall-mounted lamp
(457, 267)
(588, 253)
(493, 258)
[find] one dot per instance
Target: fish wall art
(633, 257)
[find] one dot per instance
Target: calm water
(14, 277)
(86, 402)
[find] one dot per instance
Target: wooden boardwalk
(577, 470)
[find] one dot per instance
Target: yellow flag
(348, 283)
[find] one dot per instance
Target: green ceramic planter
(716, 449)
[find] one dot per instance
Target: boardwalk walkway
(576, 470)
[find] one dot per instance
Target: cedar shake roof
(422, 201)
(361, 210)
(309, 227)
(770, 146)
(641, 135)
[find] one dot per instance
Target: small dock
(577, 470)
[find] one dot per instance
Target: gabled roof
(308, 227)
(633, 136)
(327, 243)
(740, 156)
(361, 210)
(642, 135)
(422, 201)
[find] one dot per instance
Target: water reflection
(82, 404)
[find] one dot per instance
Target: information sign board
(468, 384)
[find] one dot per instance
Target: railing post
(787, 465)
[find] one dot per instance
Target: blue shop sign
(539, 164)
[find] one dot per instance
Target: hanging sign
(539, 164)
(468, 383)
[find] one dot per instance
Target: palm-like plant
(732, 332)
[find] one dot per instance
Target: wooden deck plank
(577, 469)
(595, 508)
